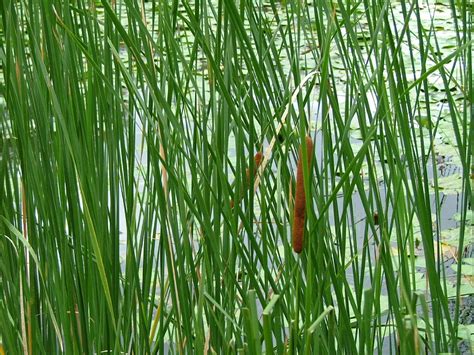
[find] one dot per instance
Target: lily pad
(469, 217)
(451, 236)
(466, 289)
(467, 267)
(466, 332)
(449, 185)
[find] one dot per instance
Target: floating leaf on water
(424, 121)
(420, 262)
(466, 289)
(451, 236)
(469, 217)
(467, 269)
(466, 332)
(469, 261)
(421, 281)
(447, 250)
(449, 185)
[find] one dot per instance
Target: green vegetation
(127, 128)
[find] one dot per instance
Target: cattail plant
(300, 198)
(376, 218)
(258, 160)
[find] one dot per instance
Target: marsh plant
(136, 218)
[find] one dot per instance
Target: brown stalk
(258, 160)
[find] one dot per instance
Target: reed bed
(128, 126)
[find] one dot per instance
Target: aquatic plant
(257, 161)
(300, 195)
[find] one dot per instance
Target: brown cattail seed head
(300, 198)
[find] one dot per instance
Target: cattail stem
(258, 160)
(300, 198)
